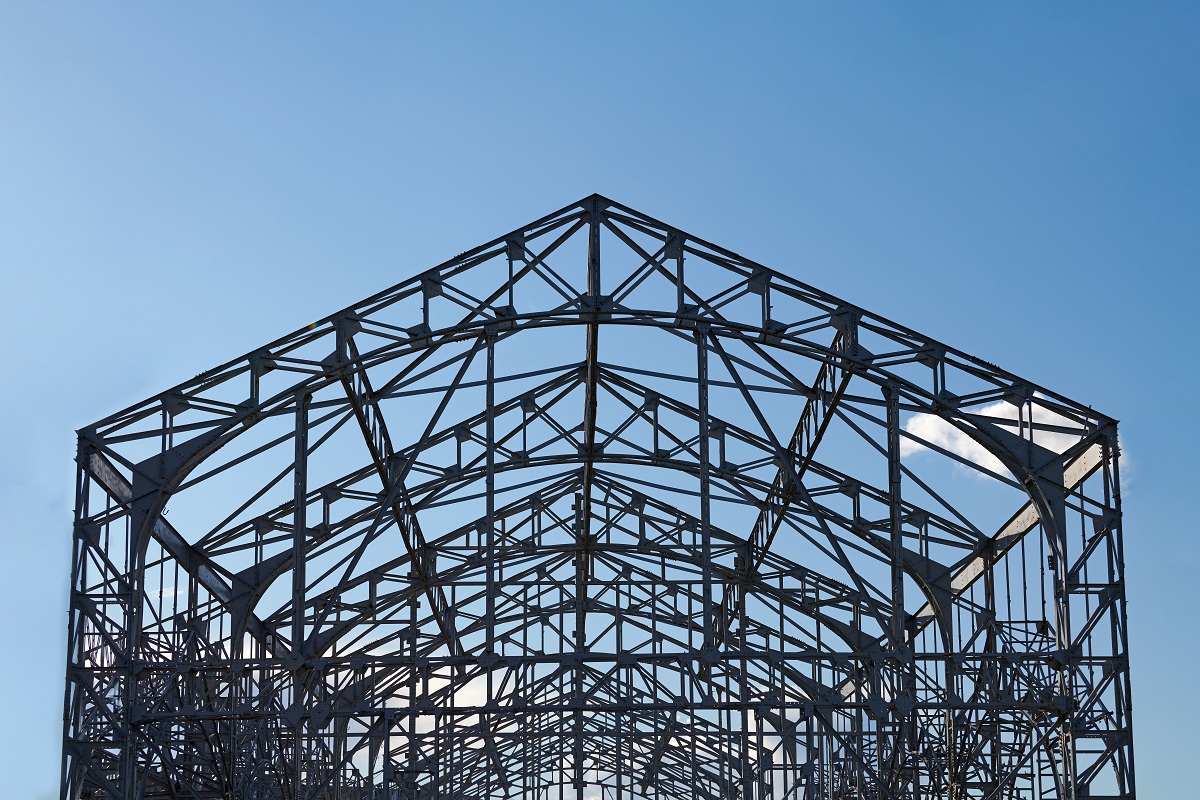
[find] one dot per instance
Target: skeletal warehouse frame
(599, 510)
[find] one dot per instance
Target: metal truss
(599, 510)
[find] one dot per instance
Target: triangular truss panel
(599, 510)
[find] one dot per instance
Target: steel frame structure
(538, 523)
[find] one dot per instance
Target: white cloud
(936, 431)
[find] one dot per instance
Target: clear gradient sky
(181, 182)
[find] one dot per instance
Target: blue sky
(180, 183)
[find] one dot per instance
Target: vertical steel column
(487, 718)
(414, 699)
(75, 621)
(299, 588)
(490, 514)
(701, 337)
(906, 734)
(896, 513)
(299, 523)
(584, 518)
(1119, 620)
(1055, 528)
